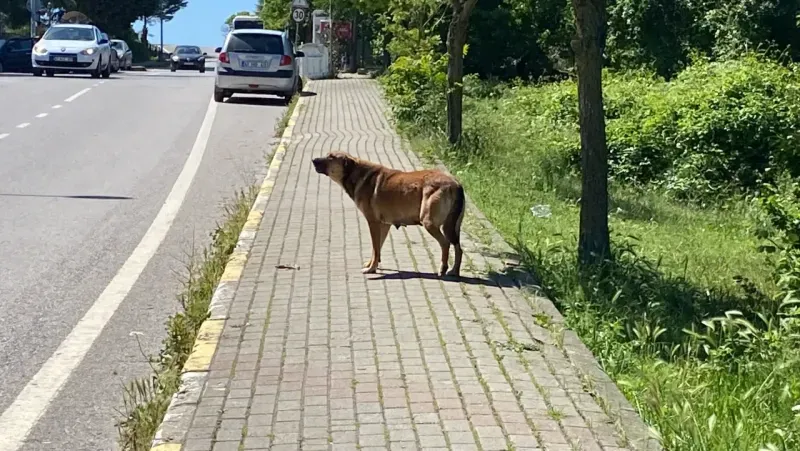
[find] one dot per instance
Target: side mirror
(299, 54)
(103, 41)
(218, 50)
(205, 54)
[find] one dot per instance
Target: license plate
(65, 59)
(254, 64)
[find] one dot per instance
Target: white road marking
(41, 115)
(55, 107)
(33, 401)
(76, 95)
(23, 125)
(4, 135)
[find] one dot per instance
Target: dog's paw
(369, 270)
(453, 273)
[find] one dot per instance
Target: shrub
(716, 129)
(416, 88)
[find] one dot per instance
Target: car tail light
(286, 60)
(223, 58)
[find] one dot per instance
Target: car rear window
(255, 43)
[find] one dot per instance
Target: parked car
(124, 53)
(188, 57)
(113, 54)
(15, 54)
(75, 48)
(257, 62)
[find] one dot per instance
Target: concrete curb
(171, 434)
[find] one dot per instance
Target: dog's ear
(347, 166)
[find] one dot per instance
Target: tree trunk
(594, 242)
(387, 59)
(456, 38)
(353, 46)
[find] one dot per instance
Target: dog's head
(336, 165)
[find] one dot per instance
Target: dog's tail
(452, 225)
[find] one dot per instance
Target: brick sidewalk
(323, 357)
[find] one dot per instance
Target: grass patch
(146, 400)
(687, 320)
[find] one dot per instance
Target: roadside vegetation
(694, 313)
(145, 400)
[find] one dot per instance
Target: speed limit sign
(299, 15)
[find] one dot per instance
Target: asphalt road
(80, 186)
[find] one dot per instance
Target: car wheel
(287, 99)
(1, 67)
(50, 73)
(37, 72)
(96, 73)
(203, 70)
(219, 95)
(107, 71)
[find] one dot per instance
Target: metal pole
(296, 34)
(161, 52)
(330, 38)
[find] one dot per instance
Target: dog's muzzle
(319, 165)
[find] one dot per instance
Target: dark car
(188, 57)
(15, 54)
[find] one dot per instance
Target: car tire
(1, 68)
(203, 70)
(219, 95)
(173, 68)
(107, 72)
(50, 73)
(96, 73)
(37, 72)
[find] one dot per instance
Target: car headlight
(89, 51)
(175, 58)
(39, 50)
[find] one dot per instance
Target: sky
(199, 23)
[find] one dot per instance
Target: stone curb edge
(171, 433)
(580, 357)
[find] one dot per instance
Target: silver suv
(257, 62)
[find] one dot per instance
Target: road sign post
(299, 14)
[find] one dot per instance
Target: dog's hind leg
(445, 245)
(452, 230)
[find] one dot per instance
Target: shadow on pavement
(406, 275)
(308, 94)
(80, 197)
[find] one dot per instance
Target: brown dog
(388, 197)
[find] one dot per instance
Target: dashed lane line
(76, 95)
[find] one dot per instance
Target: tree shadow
(79, 196)
(635, 291)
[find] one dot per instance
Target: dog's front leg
(375, 232)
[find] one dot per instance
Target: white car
(123, 53)
(72, 48)
(256, 62)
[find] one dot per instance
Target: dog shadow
(491, 281)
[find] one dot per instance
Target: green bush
(716, 129)
(416, 88)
